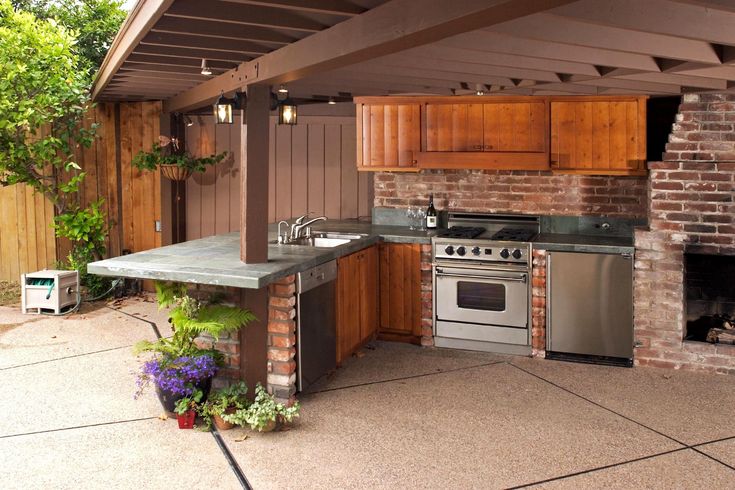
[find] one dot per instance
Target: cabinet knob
(477, 147)
(488, 147)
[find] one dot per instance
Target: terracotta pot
(270, 426)
(186, 421)
(220, 423)
(174, 172)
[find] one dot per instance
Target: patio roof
(347, 48)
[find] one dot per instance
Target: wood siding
(132, 199)
(312, 168)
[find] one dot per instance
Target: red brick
(282, 327)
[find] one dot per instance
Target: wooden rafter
(403, 24)
(223, 30)
(333, 7)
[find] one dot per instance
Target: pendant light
(223, 110)
(206, 70)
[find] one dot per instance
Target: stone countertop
(557, 242)
(216, 260)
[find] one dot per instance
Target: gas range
(486, 238)
(482, 288)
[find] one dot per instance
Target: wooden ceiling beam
(143, 75)
(679, 79)
(200, 42)
(171, 61)
(222, 11)
(555, 28)
(383, 69)
(221, 30)
(332, 7)
(724, 5)
(394, 26)
(164, 69)
(657, 16)
(642, 87)
(500, 43)
(195, 54)
(140, 19)
(478, 56)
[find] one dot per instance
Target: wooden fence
(132, 198)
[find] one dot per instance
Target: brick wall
(691, 211)
(538, 304)
(282, 338)
(517, 192)
(427, 298)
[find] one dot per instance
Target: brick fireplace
(691, 213)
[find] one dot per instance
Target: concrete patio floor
(397, 417)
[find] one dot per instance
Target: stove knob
(449, 250)
(517, 254)
(504, 253)
(476, 251)
(461, 251)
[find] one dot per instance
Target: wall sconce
(224, 107)
(287, 112)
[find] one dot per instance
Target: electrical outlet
(158, 226)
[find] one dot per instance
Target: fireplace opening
(710, 298)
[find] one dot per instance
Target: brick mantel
(691, 210)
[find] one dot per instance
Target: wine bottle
(431, 214)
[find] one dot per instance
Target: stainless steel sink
(326, 239)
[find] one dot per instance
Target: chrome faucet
(282, 238)
(297, 222)
(299, 226)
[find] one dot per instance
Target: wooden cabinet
(400, 292)
(497, 133)
(388, 136)
(357, 300)
(594, 135)
(490, 126)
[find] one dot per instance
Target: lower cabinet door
(400, 292)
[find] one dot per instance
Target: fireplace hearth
(710, 298)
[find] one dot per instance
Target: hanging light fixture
(223, 110)
(331, 101)
(206, 70)
(283, 90)
(188, 121)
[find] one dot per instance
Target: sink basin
(318, 241)
(326, 239)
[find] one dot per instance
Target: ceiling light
(479, 89)
(287, 112)
(206, 70)
(282, 89)
(331, 101)
(188, 121)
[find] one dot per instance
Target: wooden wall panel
(312, 168)
(131, 204)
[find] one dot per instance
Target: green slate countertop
(558, 242)
(216, 260)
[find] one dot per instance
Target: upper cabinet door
(454, 127)
(388, 135)
(517, 126)
(599, 136)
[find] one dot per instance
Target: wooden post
(254, 183)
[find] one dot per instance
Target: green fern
(191, 319)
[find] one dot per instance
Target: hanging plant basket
(174, 172)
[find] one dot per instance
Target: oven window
(480, 296)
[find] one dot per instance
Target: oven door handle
(492, 278)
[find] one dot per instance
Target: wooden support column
(254, 183)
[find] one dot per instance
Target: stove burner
(514, 234)
(462, 232)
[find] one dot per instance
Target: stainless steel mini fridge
(590, 307)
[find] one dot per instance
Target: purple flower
(178, 376)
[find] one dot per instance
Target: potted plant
(186, 409)
(174, 164)
(221, 402)
(177, 378)
(264, 414)
(179, 365)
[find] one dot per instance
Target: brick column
(538, 304)
(282, 339)
(427, 298)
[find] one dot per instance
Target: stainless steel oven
(482, 289)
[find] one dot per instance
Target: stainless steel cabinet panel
(590, 304)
